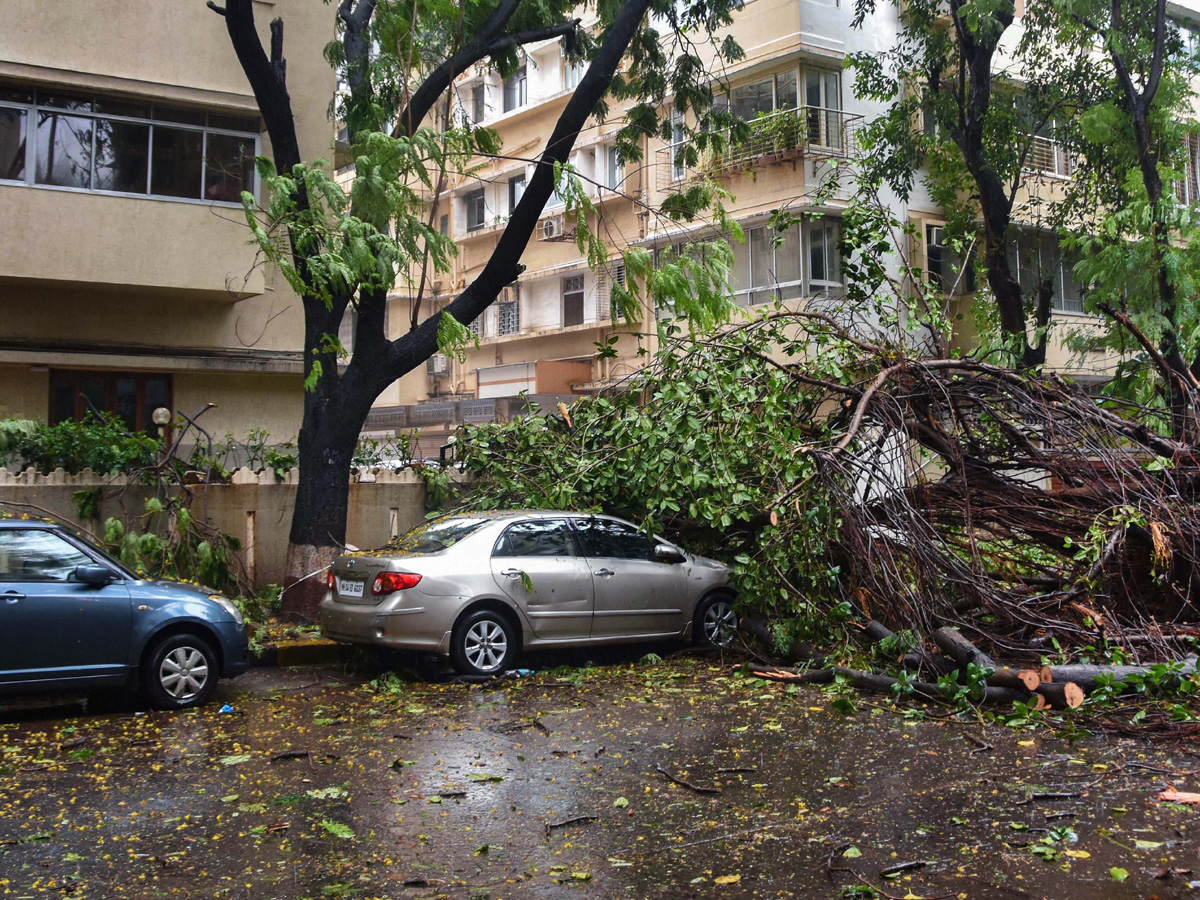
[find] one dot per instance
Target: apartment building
(127, 280)
(539, 342)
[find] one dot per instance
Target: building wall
(92, 280)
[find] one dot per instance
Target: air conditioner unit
(552, 227)
(438, 364)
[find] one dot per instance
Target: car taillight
(390, 582)
(331, 583)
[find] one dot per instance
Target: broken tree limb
(871, 682)
(951, 642)
(1090, 677)
(698, 788)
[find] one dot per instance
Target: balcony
(173, 248)
(809, 132)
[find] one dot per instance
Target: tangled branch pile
(853, 477)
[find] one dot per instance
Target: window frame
(508, 313)
(563, 523)
(581, 291)
(471, 198)
(514, 196)
(793, 289)
(33, 108)
(61, 378)
(87, 552)
(518, 83)
(579, 524)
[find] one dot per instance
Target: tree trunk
(318, 531)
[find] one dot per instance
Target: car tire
(483, 643)
(715, 623)
(181, 672)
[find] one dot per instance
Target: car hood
(164, 589)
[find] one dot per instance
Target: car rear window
(437, 535)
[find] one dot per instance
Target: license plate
(350, 588)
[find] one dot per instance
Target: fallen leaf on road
(1170, 795)
(727, 879)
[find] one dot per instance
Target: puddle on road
(701, 784)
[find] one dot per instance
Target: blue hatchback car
(72, 617)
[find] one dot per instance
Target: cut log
(1046, 674)
(876, 631)
(1018, 679)
(1090, 677)
(951, 642)
(1064, 695)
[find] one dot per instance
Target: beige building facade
(127, 277)
(540, 339)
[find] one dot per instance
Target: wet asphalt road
(317, 786)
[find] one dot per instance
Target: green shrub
(98, 443)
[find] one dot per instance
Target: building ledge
(144, 356)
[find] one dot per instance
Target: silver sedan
(481, 587)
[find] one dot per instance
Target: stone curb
(289, 654)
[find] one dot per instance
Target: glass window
(786, 91)
(508, 311)
(64, 150)
(516, 90)
(749, 100)
(572, 294)
(122, 156)
(606, 539)
(177, 163)
(437, 535)
(182, 116)
(678, 170)
(616, 171)
(572, 72)
(31, 554)
(131, 396)
(12, 144)
(228, 167)
(546, 537)
(824, 264)
(476, 209)
(444, 224)
(226, 122)
(516, 190)
(130, 109)
(762, 264)
(478, 105)
(73, 102)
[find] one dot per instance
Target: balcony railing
(810, 131)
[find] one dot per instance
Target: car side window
(604, 538)
(33, 554)
(538, 537)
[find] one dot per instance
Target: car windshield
(437, 535)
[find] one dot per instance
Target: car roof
(10, 518)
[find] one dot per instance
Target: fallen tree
(870, 491)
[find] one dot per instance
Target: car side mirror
(93, 574)
(667, 554)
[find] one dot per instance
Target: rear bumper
(412, 628)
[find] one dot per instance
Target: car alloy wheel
(719, 623)
(183, 673)
(485, 645)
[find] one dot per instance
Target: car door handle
(13, 597)
(604, 572)
(511, 573)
